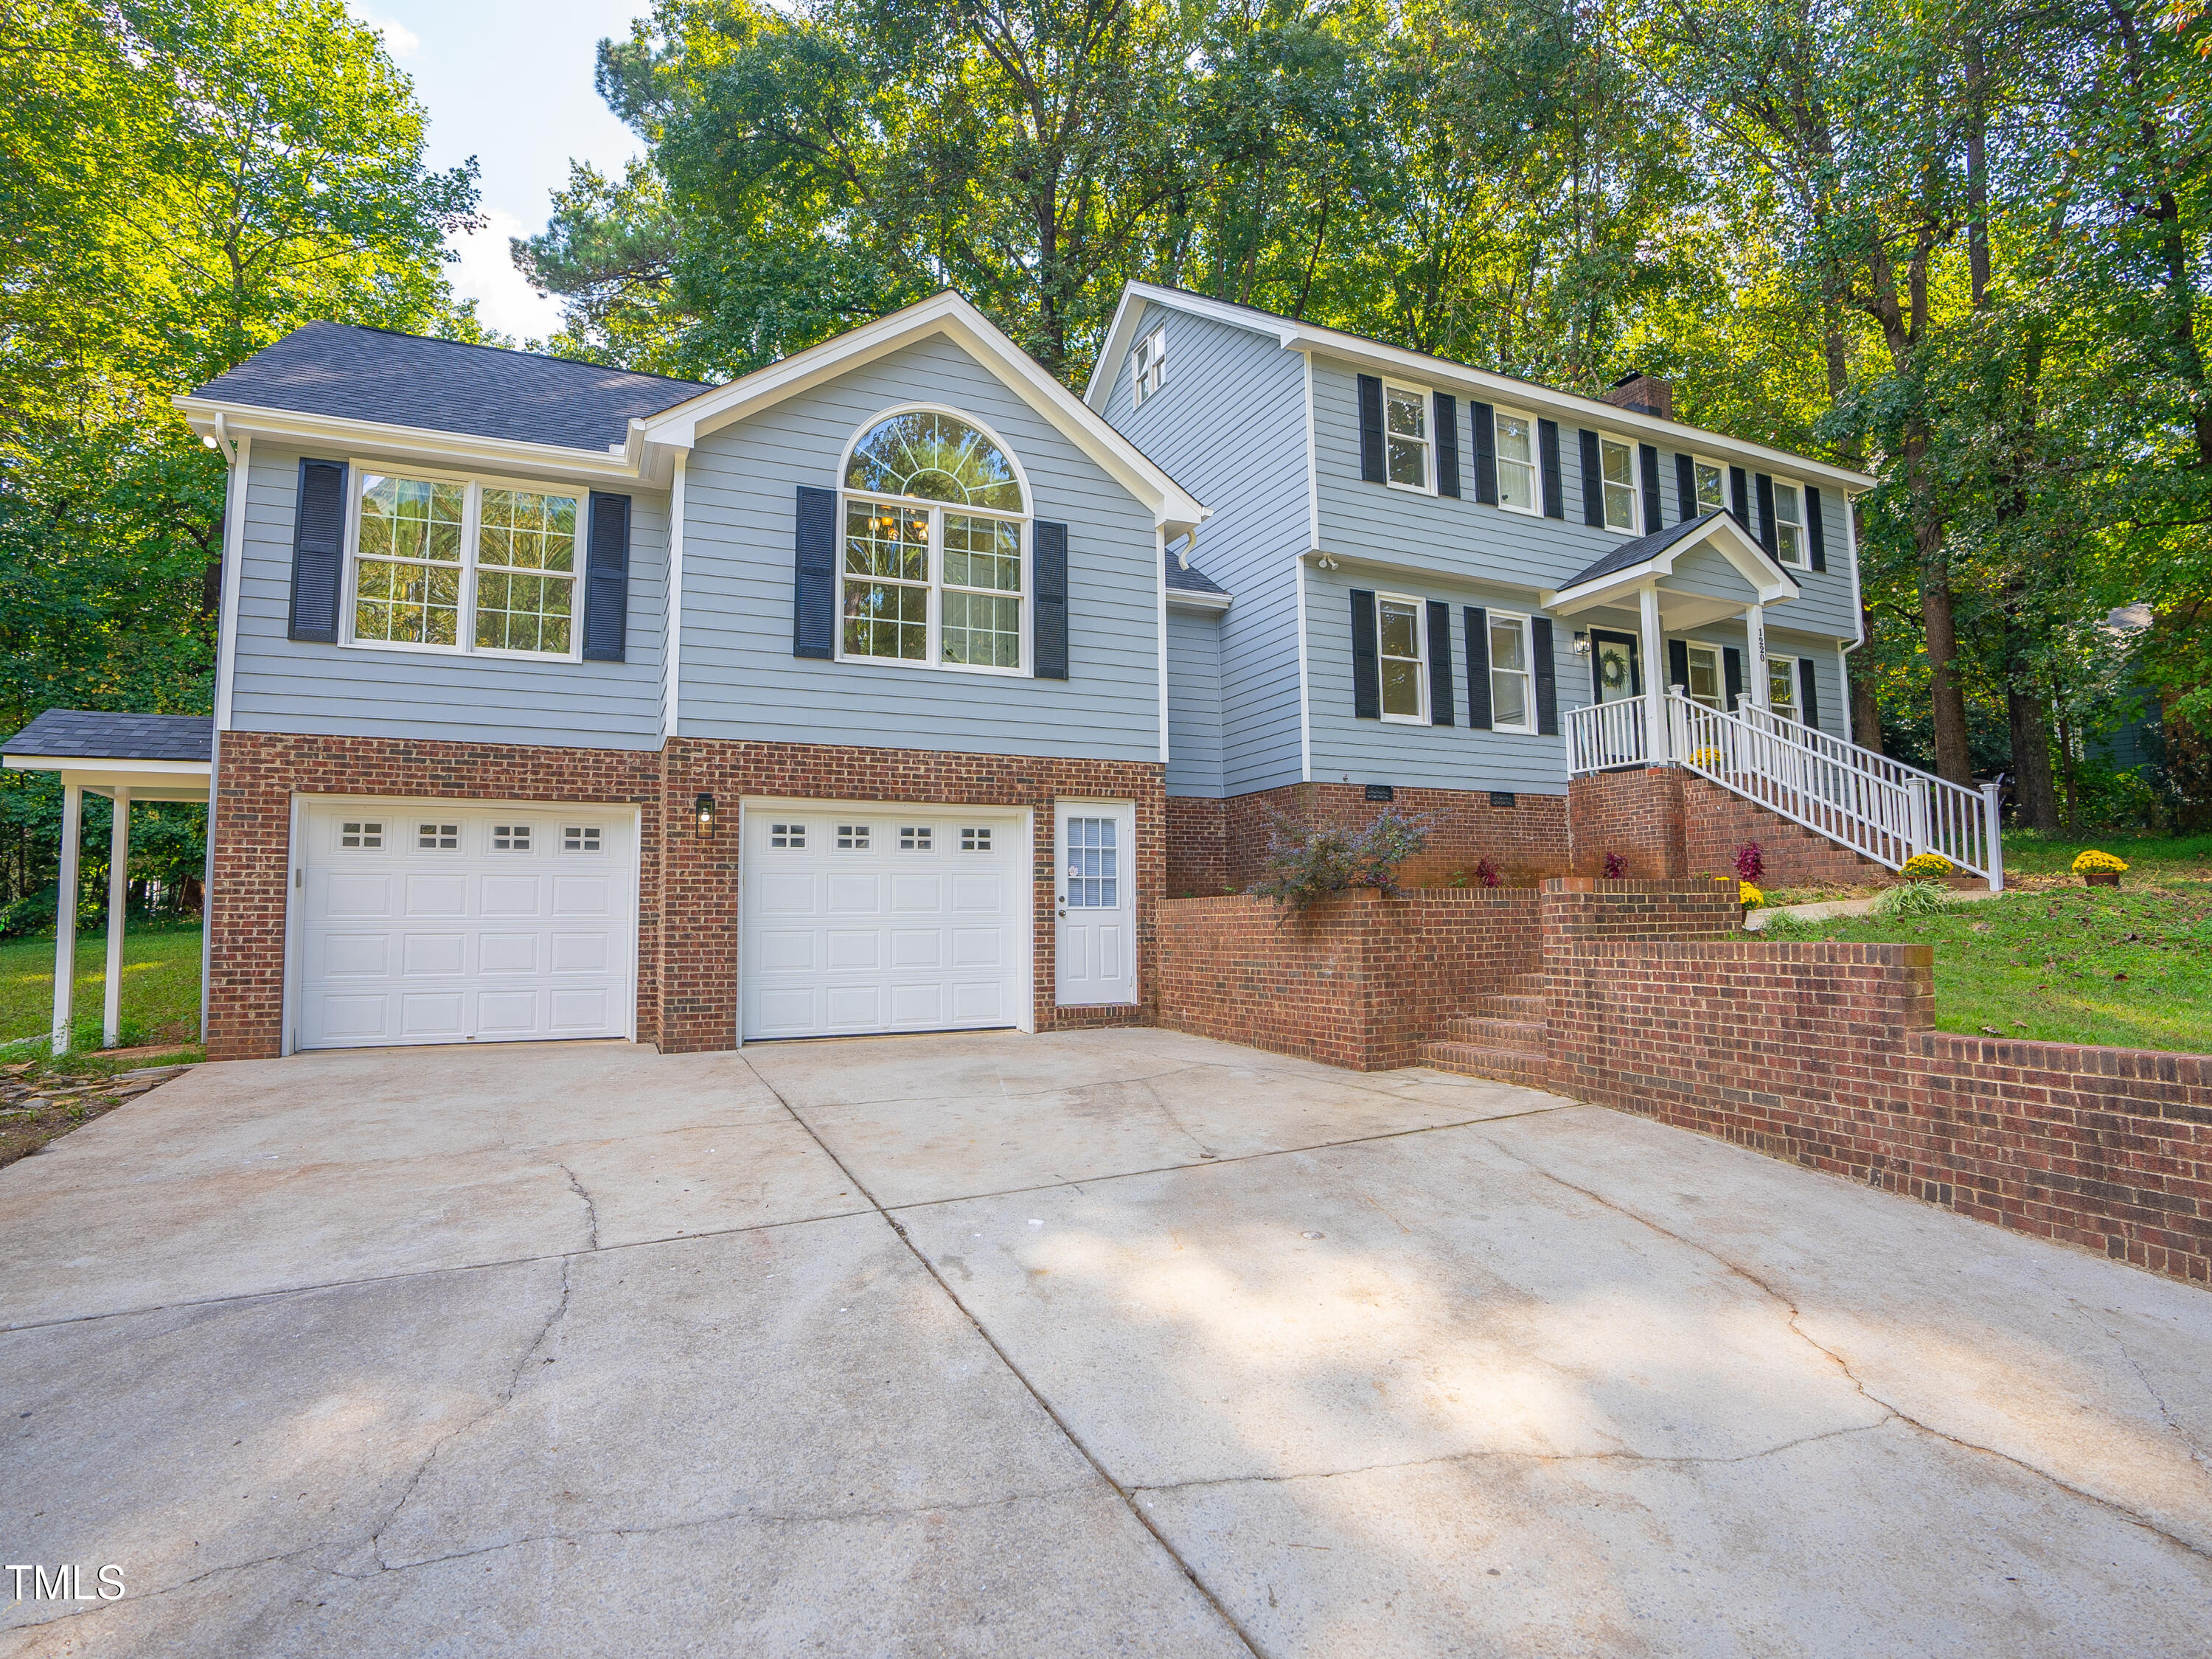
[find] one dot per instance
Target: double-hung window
(1149, 370)
(1512, 691)
(1405, 674)
(1617, 464)
(1706, 683)
(465, 565)
(1712, 486)
(1405, 438)
(1788, 524)
(1516, 445)
(933, 567)
(1782, 686)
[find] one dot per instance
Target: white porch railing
(1604, 735)
(1872, 804)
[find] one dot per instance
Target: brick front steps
(1500, 1035)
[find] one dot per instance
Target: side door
(1095, 901)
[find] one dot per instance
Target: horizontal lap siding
(1347, 748)
(1229, 425)
(287, 685)
(1828, 679)
(1193, 702)
(739, 677)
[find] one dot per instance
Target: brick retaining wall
(1198, 846)
(1666, 822)
(1525, 841)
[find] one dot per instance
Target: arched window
(934, 568)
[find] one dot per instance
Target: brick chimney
(1647, 394)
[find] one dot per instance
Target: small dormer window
(1150, 368)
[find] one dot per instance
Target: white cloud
(486, 274)
(398, 40)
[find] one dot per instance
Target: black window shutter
(1370, 429)
(1440, 666)
(1685, 488)
(1547, 445)
(1767, 538)
(1447, 444)
(1478, 715)
(318, 552)
(1547, 686)
(1677, 663)
(1485, 423)
(1739, 497)
(1815, 530)
(1049, 558)
(1654, 515)
(814, 574)
(1593, 481)
(1366, 667)
(1809, 695)
(1732, 675)
(606, 580)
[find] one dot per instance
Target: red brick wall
(1526, 841)
(1582, 908)
(1665, 822)
(1821, 1054)
(1638, 815)
(688, 889)
(1359, 981)
(1198, 850)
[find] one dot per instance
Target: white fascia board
(1174, 510)
(1181, 599)
(1121, 333)
(107, 765)
(636, 460)
(1771, 583)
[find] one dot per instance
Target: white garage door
(875, 918)
(432, 922)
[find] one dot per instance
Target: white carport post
(1655, 746)
(1756, 687)
(118, 892)
(66, 913)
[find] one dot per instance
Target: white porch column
(65, 915)
(118, 893)
(1754, 671)
(1657, 748)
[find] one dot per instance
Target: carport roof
(102, 734)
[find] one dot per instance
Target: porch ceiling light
(702, 815)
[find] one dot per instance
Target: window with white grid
(1094, 874)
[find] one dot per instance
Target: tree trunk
(1946, 699)
(1866, 710)
(2035, 799)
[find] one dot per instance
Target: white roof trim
(1185, 599)
(1173, 508)
(1769, 582)
(1295, 336)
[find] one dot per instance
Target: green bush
(1306, 864)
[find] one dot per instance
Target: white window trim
(1535, 508)
(933, 660)
(1796, 712)
(1150, 366)
(1719, 466)
(1420, 659)
(1428, 486)
(1804, 560)
(1635, 486)
(471, 520)
(1528, 727)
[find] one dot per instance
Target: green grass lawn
(2149, 858)
(2125, 967)
(161, 986)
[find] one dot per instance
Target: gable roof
(1443, 374)
(339, 371)
(1174, 509)
(99, 734)
(1646, 558)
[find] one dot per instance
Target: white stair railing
(1872, 804)
(1604, 735)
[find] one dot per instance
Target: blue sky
(509, 81)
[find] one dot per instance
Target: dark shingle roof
(445, 385)
(96, 734)
(1184, 579)
(1629, 555)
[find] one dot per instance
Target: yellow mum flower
(1749, 896)
(2093, 859)
(1928, 866)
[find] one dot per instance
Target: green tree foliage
(185, 182)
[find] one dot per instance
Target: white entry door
(1095, 893)
(863, 916)
(440, 921)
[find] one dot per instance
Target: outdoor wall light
(1582, 645)
(702, 813)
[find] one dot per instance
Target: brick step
(1473, 1060)
(1520, 1036)
(1513, 1005)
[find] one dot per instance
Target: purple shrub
(1749, 865)
(1616, 867)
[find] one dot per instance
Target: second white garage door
(858, 918)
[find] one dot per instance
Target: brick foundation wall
(1666, 822)
(1359, 981)
(1526, 841)
(1636, 814)
(1822, 1054)
(688, 889)
(1198, 848)
(259, 774)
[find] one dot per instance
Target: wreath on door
(1612, 669)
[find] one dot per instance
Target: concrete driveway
(1120, 1342)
